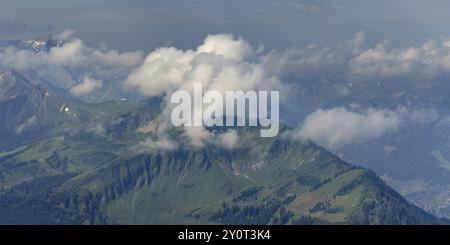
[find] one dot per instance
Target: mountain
(415, 158)
(93, 168)
(38, 44)
(44, 44)
(31, 108)
(66, 77)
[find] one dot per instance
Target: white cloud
(161, 144)
(222, 62)
(336, 127)
(198, 136)
(356, 60)
(228, 140)
(225, 45)
(162, 70)
(69, 53)
(427, 60)
(72, 54)
(312, 60)
(88, 85)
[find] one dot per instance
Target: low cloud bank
(336, 127)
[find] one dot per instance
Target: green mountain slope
(270, 181)
(86, 170)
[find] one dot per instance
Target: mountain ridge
(85, 173)
(83, 168)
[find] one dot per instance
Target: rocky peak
(44, 44)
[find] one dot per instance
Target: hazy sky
(144, 25)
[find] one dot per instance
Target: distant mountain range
(64, 78)
(64, 161)
(413, 159)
